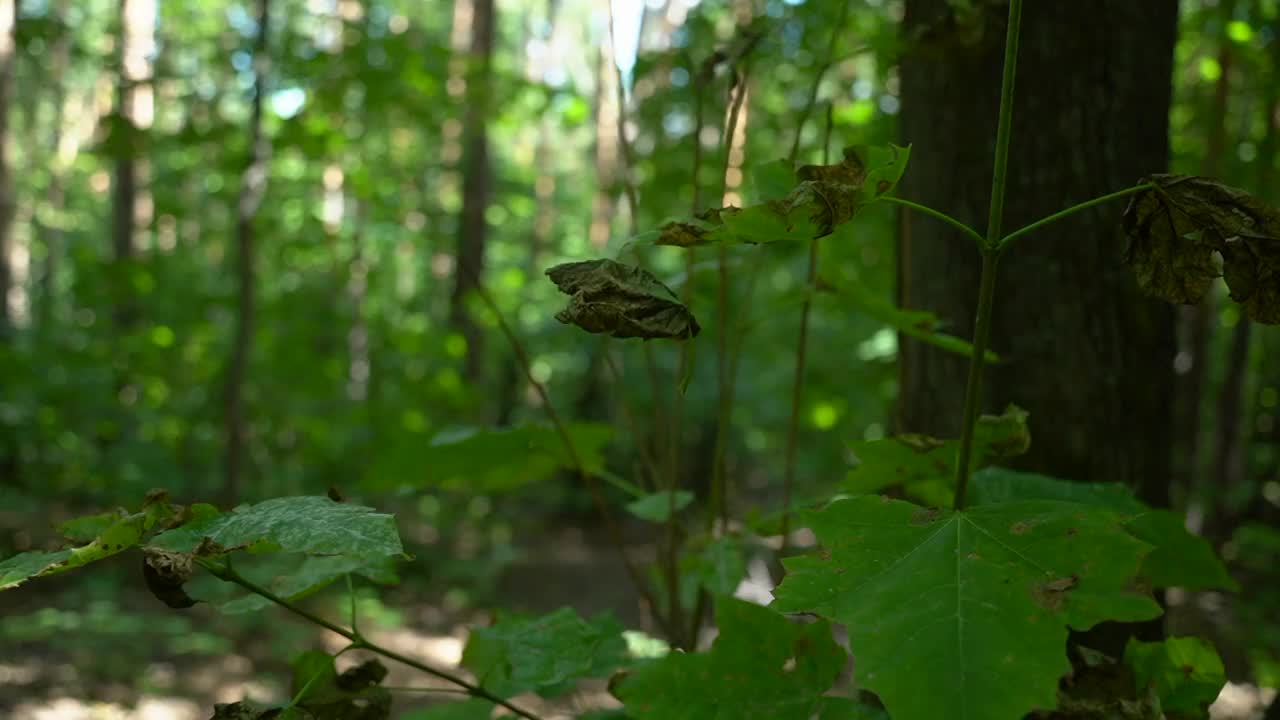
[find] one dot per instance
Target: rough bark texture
(1086, 354)
(476, 181)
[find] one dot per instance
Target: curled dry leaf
(1175, 228)
(166, 572)
(622, 301)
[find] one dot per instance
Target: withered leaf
(621, 300)
(825, 197)
(1175, 228)
(166, 573)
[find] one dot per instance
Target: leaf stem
(1008, 239)
(990, 255)
(977, 237)
(227, 574)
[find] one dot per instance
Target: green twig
(990, 255)
(227, 574)
(1008, 239)
(355, 617)
(977, 237)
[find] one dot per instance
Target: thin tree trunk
(476, 182)
(8, 35)
(253, 186)
(1196, 321)
(1226, 469)
(50, 234)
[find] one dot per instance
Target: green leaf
(123, 533)
(19, 568)
(1185, 673)
(85, 529)
(324, 694)
(973, 605)
(300, 577)
(1180, 558)
(472, 709)
(489, 460)
(314, 675)
(622, 301)
(657, 507)
(519, 654)
(762, 666)
(826, 196)
(996, 485)
(1175, 228)
(718, 566)
(885, 165)
(924, 466)
(313, 525)
(918, 324)
(770, 180)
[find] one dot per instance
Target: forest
(639, 359)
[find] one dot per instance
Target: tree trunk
(476, 181)
(253, 186)
(8, 35)
(1088, 356)
(1195, 321)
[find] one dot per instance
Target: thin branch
(226, 573)
(977, 237)
(1008, 239)
(646, 453)
(588, 478)
(797, 384)
(633, 220)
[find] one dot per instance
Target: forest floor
(66, 653)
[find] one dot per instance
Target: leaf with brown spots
(924, 466)
(964, 606)
(825, 197)
(1175, 228)
(762, 666)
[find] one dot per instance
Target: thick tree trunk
(476, 181)
(1086, 354)
(253, 186)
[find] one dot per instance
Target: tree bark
(1088, 356)
(476, 182)
(253, 186)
